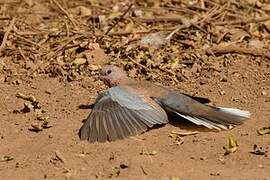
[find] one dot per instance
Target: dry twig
(4, 18)
(66, 13)
(10, 27)
(247, 21)
(120, 18)
(232, 48)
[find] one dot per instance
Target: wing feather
(119, 113)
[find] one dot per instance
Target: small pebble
(222, 92)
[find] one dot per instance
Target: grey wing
(119, 113)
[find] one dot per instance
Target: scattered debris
(36, 127)
(7, 158)
(28, 107)
(59, 156)
(46, 124)
(178, 136)
(231, 147)
(79, 61)
(29, 98)
(155, 40)
(150, 153)
(178, 140)
(215, 174)
(175, 178)
(263, 131)
(258, 150)
(123, 166)
(115, 172)
(143, 170)
(32, 105)
(185, 133)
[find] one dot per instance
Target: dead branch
(232, 48)
(120, 18)
(173, 18)
(5, 18)
(29, 41)
(252, 20)
(10, 27)
(66, 13)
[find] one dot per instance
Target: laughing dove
(130, 107)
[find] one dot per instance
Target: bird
(130, 107)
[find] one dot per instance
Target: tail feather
(201, 114)
(236, 112)
(203, 122)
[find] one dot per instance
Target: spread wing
(120, 112)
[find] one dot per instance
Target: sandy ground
(199, 157)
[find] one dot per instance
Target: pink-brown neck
(114, 76)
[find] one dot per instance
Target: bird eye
(109, 72)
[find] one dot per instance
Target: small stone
(222, 160)
(264, 93)
(68, 175)
(123, 166)
(235, 99)
(215, 174)
(222, 92)
(224, 78)
(202, 158)
(203, 81)
(48, 91)
(36, 127)
(50, 136)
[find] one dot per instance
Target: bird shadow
(86, 106)
(187, 125)
(183, 124)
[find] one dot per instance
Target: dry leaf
(263, 131)
(177, 138)
(7, 158)
(30, 98)
(46, 124)
(258, 150)
(150, 153)
(79, 61)
(59, 156)
(231, 147)
(84, 11)
(155, 40)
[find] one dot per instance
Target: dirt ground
(51, 51)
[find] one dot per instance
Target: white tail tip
(237, 112)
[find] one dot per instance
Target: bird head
(112, 75)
